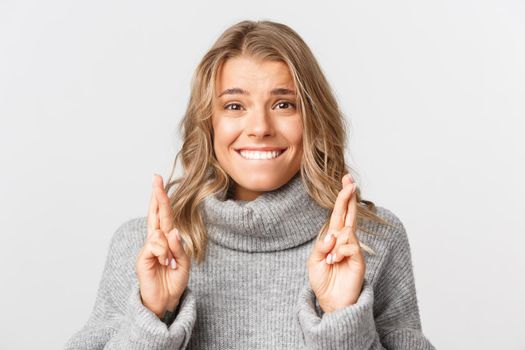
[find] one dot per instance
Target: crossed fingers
(343, 221)
(160, 214)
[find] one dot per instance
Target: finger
(176, 246)
(153, 222)
(154, 249)
(342, 238)
(322, 247)
(159, 237)
(352, 251)
(347, 236)
(347, 178)
(153, 216)
(165, 211)
(337, 218)
(351, 211)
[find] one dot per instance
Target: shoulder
(387, 237)
(391, 246)
(125, 244)
(130, 234)
(398, 228)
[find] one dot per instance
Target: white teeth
(259, 155)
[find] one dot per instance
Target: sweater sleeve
(118, 319)
(384, 318)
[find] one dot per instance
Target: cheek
(225, 132)
(293, 131)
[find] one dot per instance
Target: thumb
(323, 246)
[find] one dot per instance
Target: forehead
(247, 72)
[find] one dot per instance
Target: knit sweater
(252, 291)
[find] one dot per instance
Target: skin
(257, 117)
(337, 282)
(161, 284)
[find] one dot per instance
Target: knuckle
(336, 214)
(344, 235)
(353, 246)
(349, 249)
(155, 241)
(349, 228)
(161, 237)
(153, 236)
(356, 249)
(344, 191)
(172, 236)
(150, 248)
(157, 246)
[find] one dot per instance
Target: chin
(261, 183)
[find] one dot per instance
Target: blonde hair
(324, 130)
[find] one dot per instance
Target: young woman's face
(255, 108)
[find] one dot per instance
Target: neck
(244, 194)
(274, 220)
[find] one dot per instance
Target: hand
(337, 278)
(162, 265)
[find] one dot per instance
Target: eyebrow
(236, 90)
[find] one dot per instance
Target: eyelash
(238, 104)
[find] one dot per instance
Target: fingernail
(327, 238)
(179, 238)
(173, 264)
(329, 259)
(167, 262)
(333, 258)
(177, 235)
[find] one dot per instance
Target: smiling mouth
(259, 155)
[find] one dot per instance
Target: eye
(285, 103)
(236, 105)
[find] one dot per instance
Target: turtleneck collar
(275, 220)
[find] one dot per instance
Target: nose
(259, 124)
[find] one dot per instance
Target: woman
(265, 241)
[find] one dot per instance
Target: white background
(91, 93)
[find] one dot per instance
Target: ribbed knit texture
(252, 290)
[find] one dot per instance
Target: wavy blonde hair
(324, 130)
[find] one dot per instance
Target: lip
(283, 150)
(261, 148)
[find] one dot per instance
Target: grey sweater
(252, 291)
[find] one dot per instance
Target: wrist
(326, 308)
(172, 306)
(331, 307)
(170, 314)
